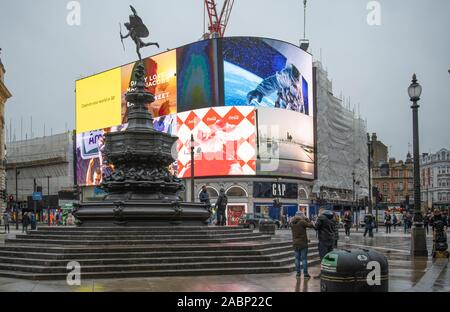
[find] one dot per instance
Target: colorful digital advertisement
(267, 73)
(224, 141)
(90, 145)
(286, 143)
(198, 76)
(160, 80)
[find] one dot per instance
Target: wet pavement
(406, 274)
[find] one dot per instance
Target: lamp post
(192, 169)
(17, 199)
(48, 199)
(369, 160)
(418, 238)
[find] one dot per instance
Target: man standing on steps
(325, 230)
(221, 206)
(204, 197)
(299, 224)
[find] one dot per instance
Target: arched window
(236, 191)
(302, 194)
(212, 192)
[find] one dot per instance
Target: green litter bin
(354, 270)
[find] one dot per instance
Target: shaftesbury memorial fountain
(141, 189)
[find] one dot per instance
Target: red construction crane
(218, 23)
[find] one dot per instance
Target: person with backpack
(325, 232)
(221, 206)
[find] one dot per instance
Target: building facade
(342, 153)
(435, 179)
(45, 165)
(395, 183)
(379, 150)
(4, 95)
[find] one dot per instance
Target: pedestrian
(32, 217)
(325, 232)
(299, 224)
(368, 225)
(25, 222)
(394, 221)
(348, 220)
(221, 206)
(426, 222)
(6, 220)
(405, 222)
(388, 222)
(336, 224)
(204, 197)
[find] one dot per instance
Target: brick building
(395, 183)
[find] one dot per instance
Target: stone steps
(110, 252)
(134, 237)
(161, 241)
(144, 253)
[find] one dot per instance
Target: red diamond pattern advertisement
(224, 141)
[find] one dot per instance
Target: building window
(400, 186)
(400, 173)
(236, 191)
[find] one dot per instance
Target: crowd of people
(29, 220)
(327, 223)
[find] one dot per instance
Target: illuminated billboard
(224, 141)
(160, 80)
(285, 143)
(198, 76)
(256, 94)
(267, 73)
(98, 101)
(90, 145)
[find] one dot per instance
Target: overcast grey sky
(372, 65)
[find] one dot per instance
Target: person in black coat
(348, 220)
(204, 197)
(369, 223)
(325, 233)
(221, 206)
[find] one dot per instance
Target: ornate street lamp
(192, 169)
(418, 238)
(369, 164)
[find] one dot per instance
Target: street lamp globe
(414, 90)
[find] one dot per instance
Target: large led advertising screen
(224, 141)
(160, 80)
(90, 168)
(100, 99)
(286, 143)
(198, 76)
(248, 102)
(267, 73)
